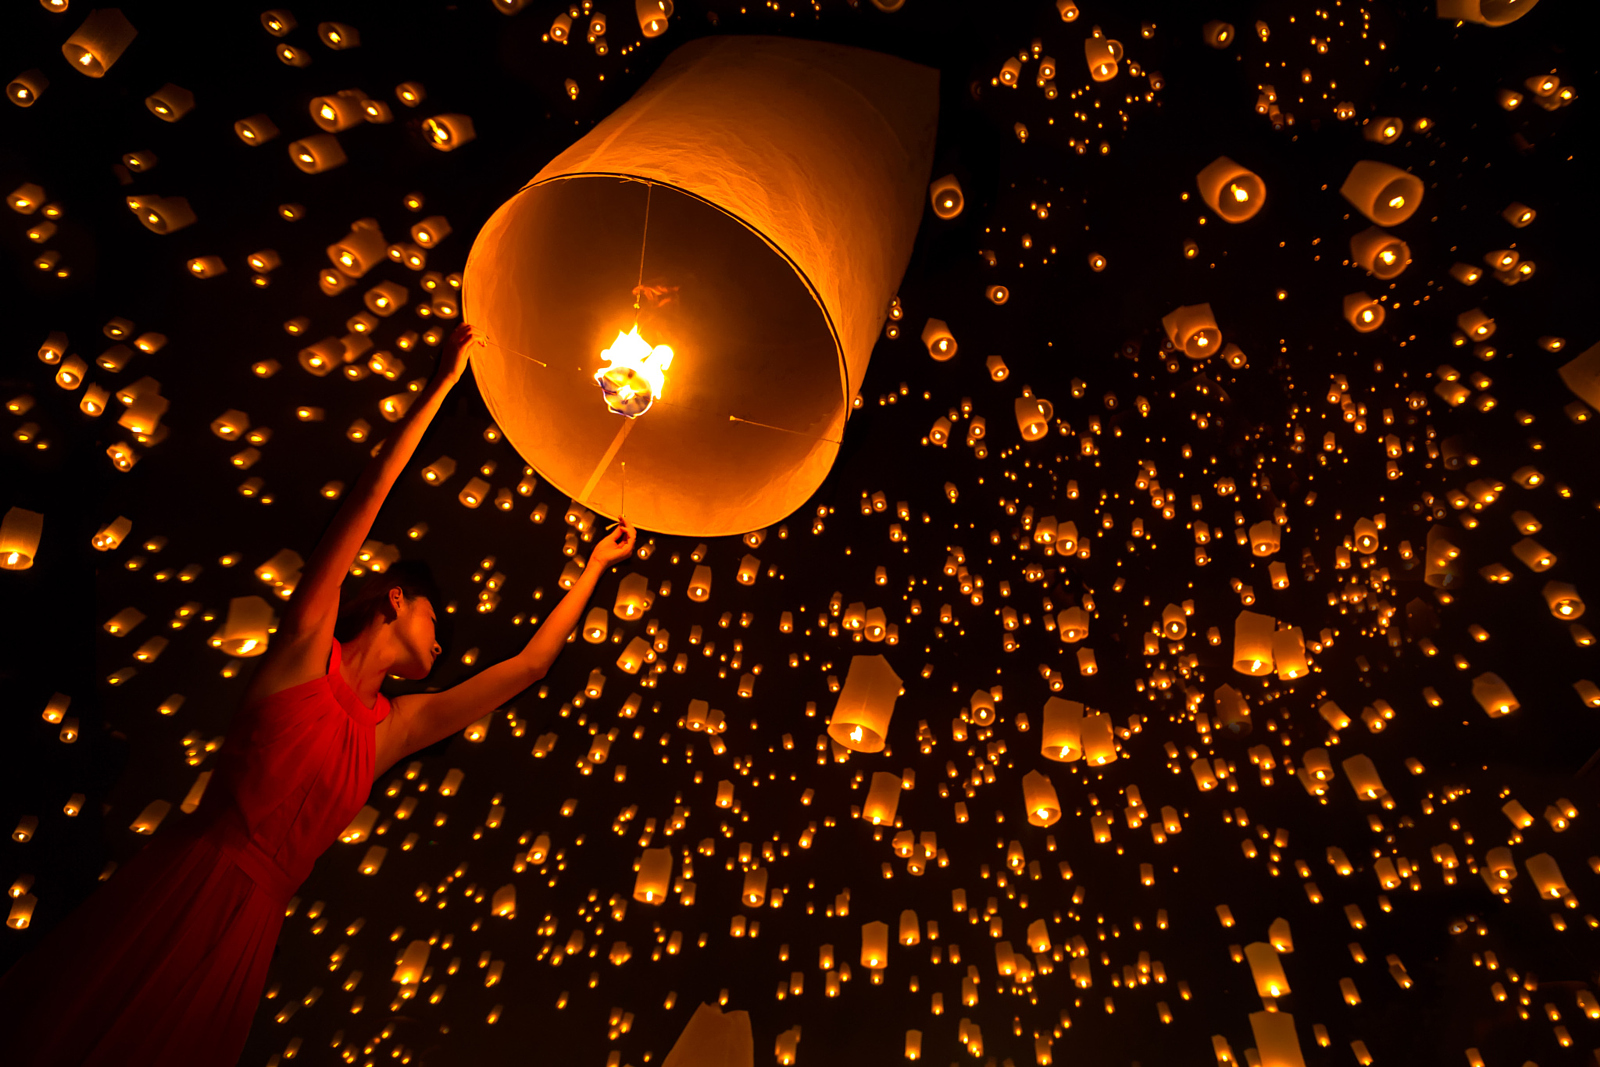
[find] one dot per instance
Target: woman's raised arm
(299, 651)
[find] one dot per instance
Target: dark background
(1062, 322)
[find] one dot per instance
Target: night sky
(1085, 207)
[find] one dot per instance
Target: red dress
(165, 964)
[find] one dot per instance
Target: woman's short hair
(371, 597)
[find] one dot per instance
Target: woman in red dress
(165, 964)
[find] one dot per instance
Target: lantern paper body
(1230, 190)
(714, 1039)
(1276, 1041)
(1487, 12)
(102, 38)
(785, 183)
(1582, 376)
(861, 718)
(655, 876)
(1386, 195)
(1059, 738)
(883, 798)
(1040, 796)
(19, 538)
(1252, 643)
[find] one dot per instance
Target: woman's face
(413, 630)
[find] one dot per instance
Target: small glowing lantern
(245, 632)
(936, 337)
(170, 102)
(1040, 797)
(1059, 736)
(19, 538)
(1193, 329)
(161, 214)
(339, 112)
(1267, 970)
(946, 196)
(655, 876)
(1101, 58)
(317, 153)
(26, 88)
(875, 945)
(883, 798)
(448, 132)
(338, 35)
(1381, 254)
(652, 16)
(99, 42)
(1033, 417)
(1233, 192)
(1363, 312)
(1252, 643)
(860, 720)
(1098, 739)
(1386, 195)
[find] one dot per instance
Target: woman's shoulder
(292, 661)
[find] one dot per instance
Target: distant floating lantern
(170, 102)
(875, 945)
(245, 633)
(1233, 712)
(1386, 195)
(338, 112)
(1101, 57)
(938, 340)
(655, 876)
(946, 197)
(883, 799)
(1033, 417)
(99, 42)
(257, 129)
(278, 22)
(1252, 643)
(1060, 735)
(996, 366)
(652, 16)
(338, 35)
(20, 531)
(1519, 215)
(1487, 12)
(317, 153)
(1289, 653)
(1267, 970)
(161, 214)
(1380, 253)
(1475, 324)
(26, 88)
(410, 93)
(1193, 329)
(448, 132)
(1044, 808)
(1494, 695)
(1217, 34)
(1363, 312)
(1230, 190)
(359, 250)
(1383, 131)
(1098, 738)
(860, 720)
(748, 428)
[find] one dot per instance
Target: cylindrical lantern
(317, 153)
(1044, 808)
(430, 231)
(19, 538)
(860, 719)
(883, 797)
(386, 298)
(779, 223)
(713, 1038)
(1233, 712)
(1252, 643)
(1098, 738)
(102, 38)
(1494, 695)
(1289, 653)
(1382, 254)
(246, 630)
(1033, 417)
(1193, 329)
(1385, 195)
(874, 945)
(1363, 312)
(1563, 600)
(652, 16)
(1475, 324)
(1267, 970)
(448, 132)
(982, 704)
(161, 214)
(1059, 738)
(1101, 58)
(754, 893)
(170, 102)
(946, 196)
(655, 876)
(339, 112)
(359, 250)
(1276, 1042)
(1230, 190)
(938, 340)
(338, 35)
(27, 87)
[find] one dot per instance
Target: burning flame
(634, 373)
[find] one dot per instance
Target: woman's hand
(453, 357)
(615, 546)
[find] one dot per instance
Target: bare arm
(299, 650)
(419, 720)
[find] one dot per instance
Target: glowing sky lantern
(755, 231)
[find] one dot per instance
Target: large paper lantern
(757, 200)
(860, 720)
(714, 1039)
